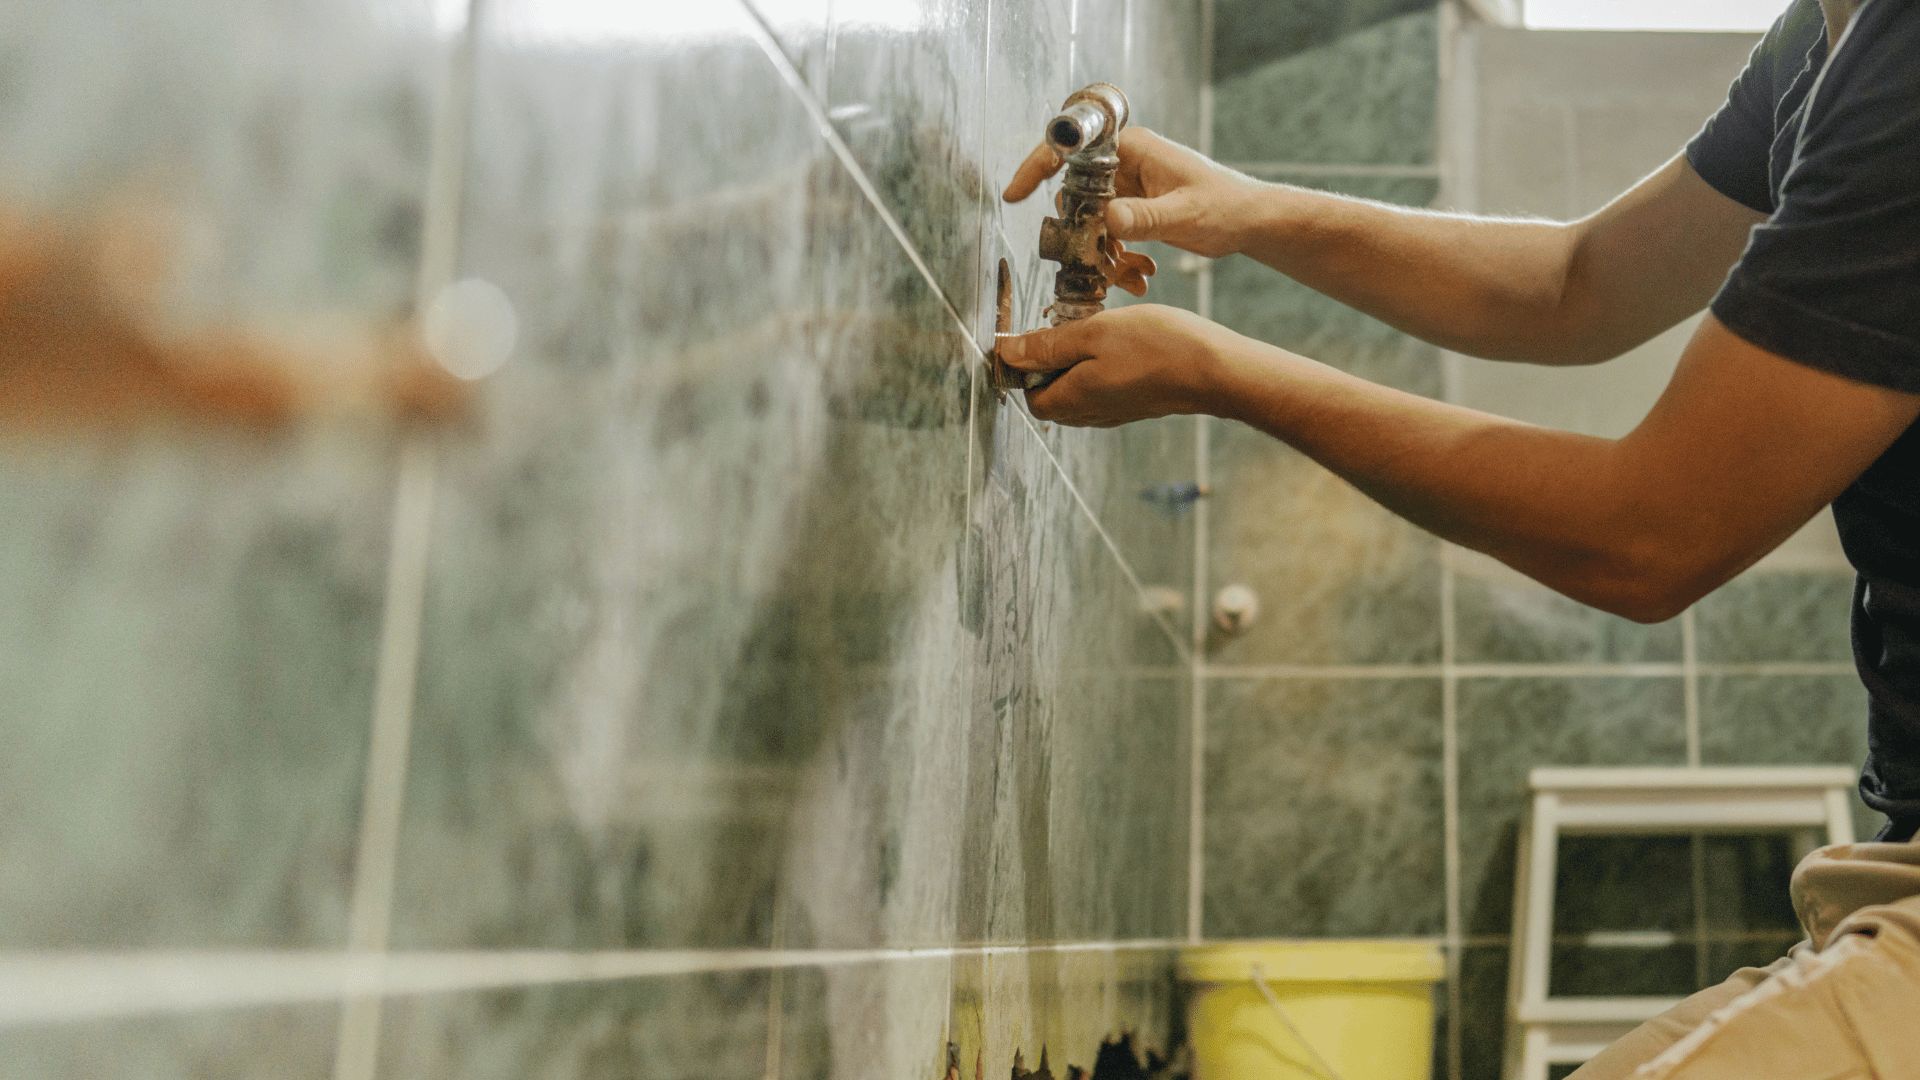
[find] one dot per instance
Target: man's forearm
(1536, 291)
(1742, 448)
(1545, 502)
(1479, 286)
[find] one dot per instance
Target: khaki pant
(1844, 1003)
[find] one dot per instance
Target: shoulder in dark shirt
(1829, 147)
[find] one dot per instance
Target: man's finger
(1040, 164)
(1053, 349)
(1056, 401)
(1136, 145)
(1127, 269)
(1135, 219)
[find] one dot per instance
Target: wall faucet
(1086, 135)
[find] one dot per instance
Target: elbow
(1649, 606)
(1648, 586)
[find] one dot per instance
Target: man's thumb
(1132, 219)
(1050, 349)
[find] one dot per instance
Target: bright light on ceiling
(1744, 16)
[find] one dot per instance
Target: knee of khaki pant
(1645, 1042)
(1844, 1012)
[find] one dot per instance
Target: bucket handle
(1260, 983)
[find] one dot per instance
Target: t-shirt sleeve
(1731, 151)
(1832, 279)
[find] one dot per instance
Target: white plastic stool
(1544, 1031)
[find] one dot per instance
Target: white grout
(1782, 667)
(1449, 168)
(1073, 39)
(1202, 540)
(1197, 692)
(53, 987)
(976, 373)
(1100, 527)
(376, 860)
(776, 991)
(1690, 683)
(376, 856)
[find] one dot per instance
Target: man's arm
(1537, 291)
(1740, 451)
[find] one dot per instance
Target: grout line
(776, 991)
(1702, 947)
(833, 43)
(1331, 671)
(1445, 170)
(1073, 40)
(1197, 691)
(1202, 542)
(977, 372)
(1197, 694)
(1595, 670)
(776, 1021)
(376, 855)
(1144, 671)
(446, 173)
(1197, 782)
(1781, 667)
(1100, 527)
(50, 987)
(1334, 169)
(1690, 683)
(770, 44)
(1570, 161)
(1206, 78)
(376, 860)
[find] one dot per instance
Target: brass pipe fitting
(1087, 135)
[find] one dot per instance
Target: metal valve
(1086, 135)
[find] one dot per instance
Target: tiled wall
(1367, 742)
(747, 690)
(1323, 785)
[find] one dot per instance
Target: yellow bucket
(1364, 1009)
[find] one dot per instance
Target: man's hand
(1166, 193)
(1132, 363)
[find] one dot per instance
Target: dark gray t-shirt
(1829, 147)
